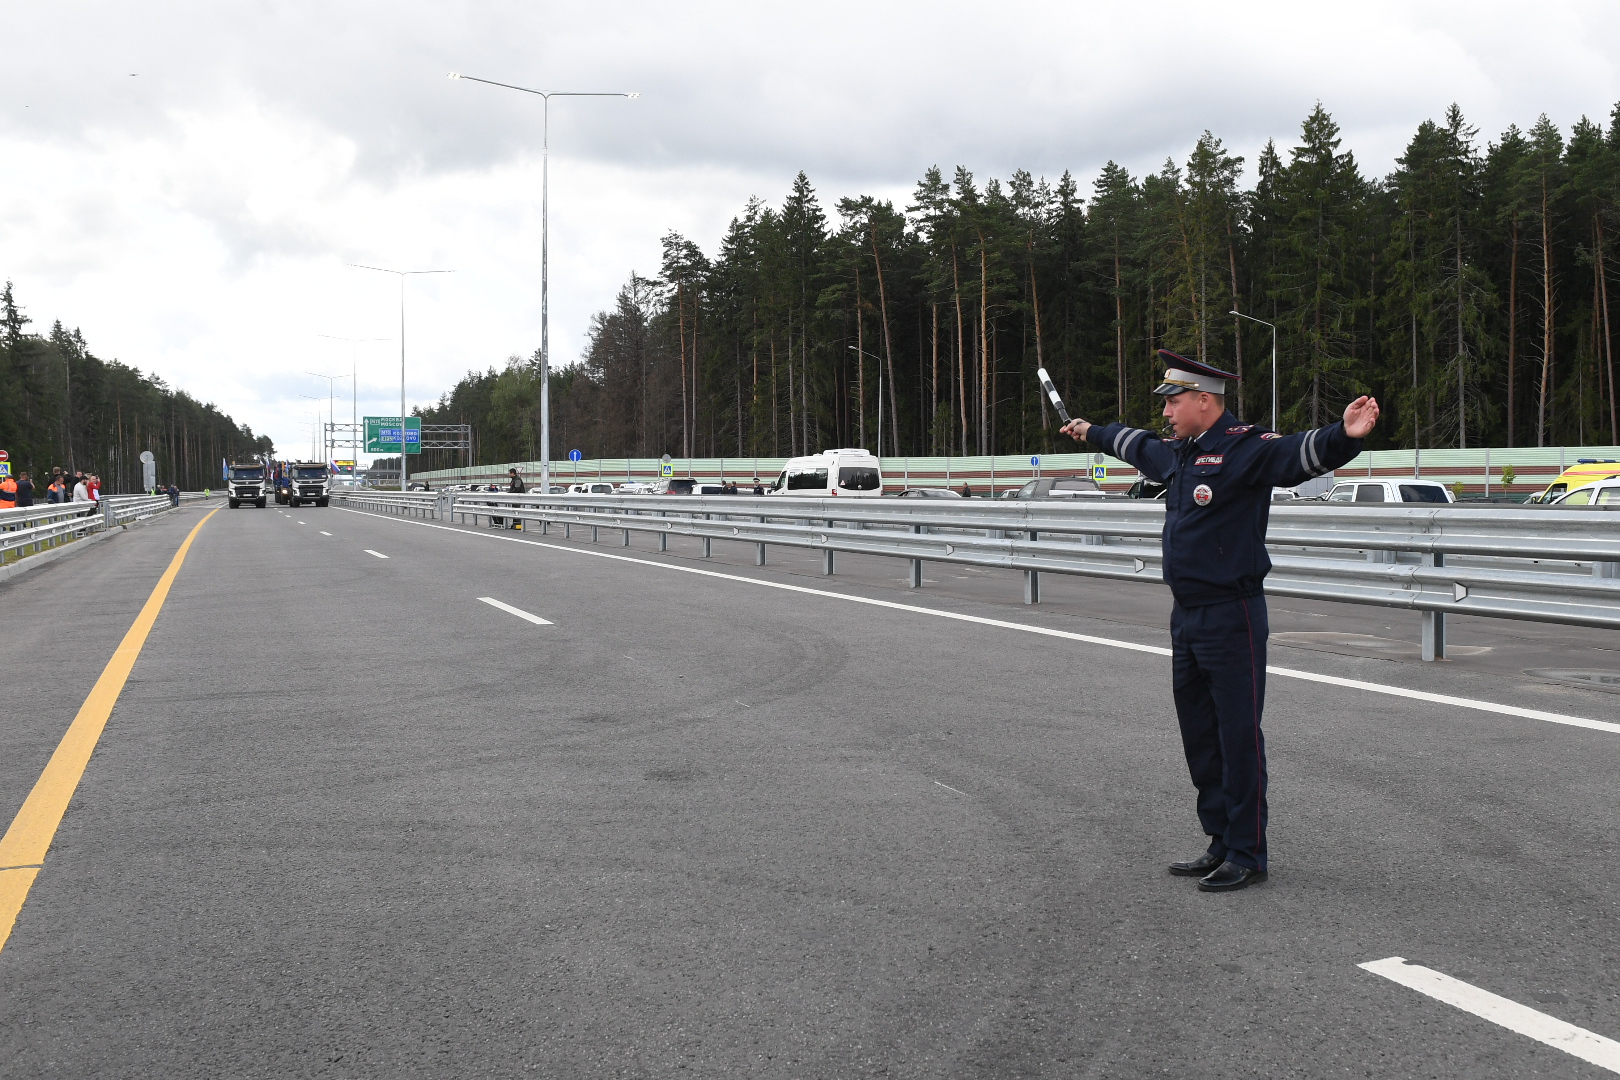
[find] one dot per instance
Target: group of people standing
(62, 487)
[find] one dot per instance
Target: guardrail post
(1434, 622)
(708, 541)
(759, 554)
(109, 516)
(626, 538)
(1032, 580)
(568, 530)
(914, 581)
(827, 563)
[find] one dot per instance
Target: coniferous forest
(1468, 290)
(65, 406)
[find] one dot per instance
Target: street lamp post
(354, 401)
(331, 391)
(545, 244)
(402, 275)
(879, 361)
(1273, 326)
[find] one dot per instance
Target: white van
(832, 472)
(1399, 490)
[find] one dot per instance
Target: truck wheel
(292, 502)
(234, 503)
(321, 502)
(260, 504)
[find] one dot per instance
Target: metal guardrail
(47, 525)
(1533, 565)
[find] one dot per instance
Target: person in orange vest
(8, 493)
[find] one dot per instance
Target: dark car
(1061, 487)
(927, 493)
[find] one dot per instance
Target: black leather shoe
(1197, 867)
(1230, 877)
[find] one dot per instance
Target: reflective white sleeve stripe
(1309, 460)
(1123, 441)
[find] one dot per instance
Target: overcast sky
(188, 183)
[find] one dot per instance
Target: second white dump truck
(310, 482)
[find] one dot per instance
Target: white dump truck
(248, 482)
(309, 482)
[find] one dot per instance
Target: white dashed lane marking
(379, 554)
(1045, 631)
(325, 533)
(1586, 1045)
(519, 612)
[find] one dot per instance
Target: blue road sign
(574, 455)
(1035, 461)
(1099, 472)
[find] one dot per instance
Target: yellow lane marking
(23, 848)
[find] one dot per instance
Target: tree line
(64, 406)
(1468, 290)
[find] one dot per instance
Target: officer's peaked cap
(1183, 374)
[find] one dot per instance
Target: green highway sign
(382, 435)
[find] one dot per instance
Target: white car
(1606, 493)
(1399, 489)
(595, 488)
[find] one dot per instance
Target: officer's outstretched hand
(1360, 417)
(1075, 429)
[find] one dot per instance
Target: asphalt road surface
(349, 818)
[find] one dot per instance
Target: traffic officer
(1220, 473)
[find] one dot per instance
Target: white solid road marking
(379, 554)
(1586, 1045)
(953, 791)
(1288, 673)
(519, 612)
(300, 523)
(325, 533)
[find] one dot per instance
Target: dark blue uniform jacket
(1220, 496)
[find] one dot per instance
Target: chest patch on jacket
(1270, 435)
(1202, 495)
(1209, 459)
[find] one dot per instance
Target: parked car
(927, 493)
(1061, 487)
(1602, 493)
(1147, 489)
(594, 488)
(1399, 489)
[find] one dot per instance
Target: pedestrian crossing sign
(5, 470)
(1099, 473)
(667, 469)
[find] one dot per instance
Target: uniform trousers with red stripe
(1219, 665)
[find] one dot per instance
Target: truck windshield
(1423, 493)
(247, 474)
(314, 473)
